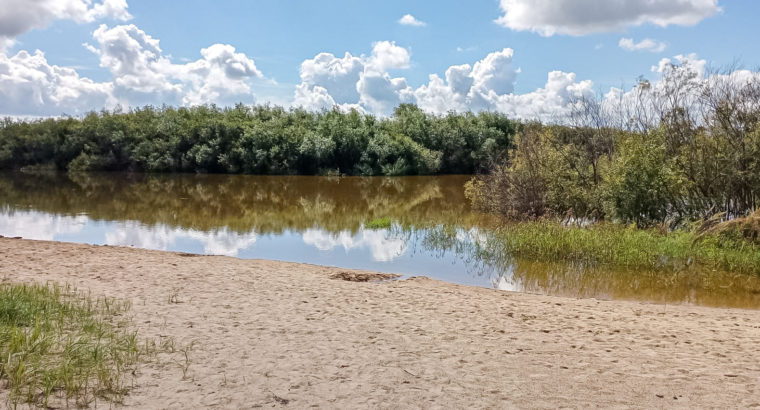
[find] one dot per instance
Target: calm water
(321, 220)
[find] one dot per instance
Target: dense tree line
(682, 149)
(260, 140)
(685, 149)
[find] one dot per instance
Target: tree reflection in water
(322, 220)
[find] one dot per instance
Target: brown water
(383, 224)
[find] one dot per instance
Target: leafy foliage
(260, 140)
(700, 156)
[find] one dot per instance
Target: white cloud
(690, 61)
(135, 60)
(116, 9)
(550, 103)
(221, 76)
(470, 87)
(410, 20)
(29, 85)
(381, 93)
(581, 17)
(20, 16)
(336, 76)
(314, 97)
(485, 85)
(488, 84)
(142, 74)
(354, 81)
(387, 55)
(495, 73)
(646, 44)
(438, 97)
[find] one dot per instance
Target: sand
(275, 334)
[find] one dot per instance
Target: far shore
(276, 334)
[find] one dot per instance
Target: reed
(628, 246)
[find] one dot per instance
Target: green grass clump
(379, 223)
(58, 346)
(628, 246)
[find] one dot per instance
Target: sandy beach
(275, 334)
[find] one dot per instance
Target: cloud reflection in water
(161, 237)
(39, 225)
(382, 245)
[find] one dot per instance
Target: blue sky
(277, 36)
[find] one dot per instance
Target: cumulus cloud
(495, 73)
(20, 16)
(135, 59)
(220, 76)
(550, 103)
(381, 93)
(410, 20)
(646, 44)
(691, 62)
(354, 81)
(337, 77)
(29, 85)
(387, 55)
(581, 17)
(487, 84)
(143, 74)
(468, 87)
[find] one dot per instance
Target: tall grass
(628, 246)
(59, 346)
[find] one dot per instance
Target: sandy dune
(281, 334)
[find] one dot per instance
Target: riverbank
(267, 333)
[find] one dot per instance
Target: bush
(260, 140)
(641, 185)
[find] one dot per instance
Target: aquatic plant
(379, 223)
(625, 245)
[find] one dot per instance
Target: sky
(526, 58)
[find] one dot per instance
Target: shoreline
(269, 333)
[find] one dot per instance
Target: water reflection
(323, 221)
(163, 237)
(36, 225)
(692, 285)
(383, 246)
(265, 204)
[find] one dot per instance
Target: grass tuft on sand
(61, 346)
